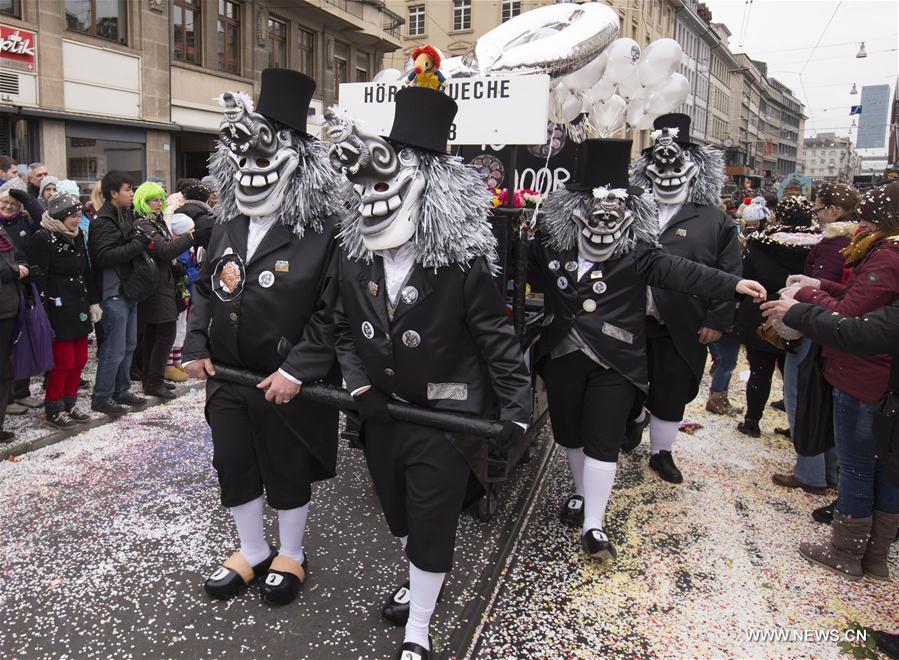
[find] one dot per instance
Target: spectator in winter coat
(182, 224)
(58, 263)
(835, 209)
(47, 190)
(867, 508)
(159, 313)
(36, 173)
(12, 269)
(771, 256)
(7, 169)
(196, 207)
(213, 186)
(114, 244)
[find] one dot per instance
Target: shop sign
(18, 48)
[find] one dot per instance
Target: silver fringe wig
(315, 191)
(706, 188)
(453, 224)
(561, 230)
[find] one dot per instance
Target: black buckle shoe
(598, 546)
(226, 583)
(572, 513)
(663, 464)
(633, 433)
(413, 651)
(281, 585)
(396, 609)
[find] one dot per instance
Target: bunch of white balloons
(623, 86)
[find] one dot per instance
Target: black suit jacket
(245, 332)
(616, 329)
(467, 358)
(707, 236)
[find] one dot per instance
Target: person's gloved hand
(372, 406)
(511, 435)
(96, 313)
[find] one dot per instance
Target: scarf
(58, 227)
(8, 218)
(862, 243)
(5, 243)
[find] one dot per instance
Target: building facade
(133, 85)
(830, 157)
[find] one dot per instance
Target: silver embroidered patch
(453, 391)
(618, 333)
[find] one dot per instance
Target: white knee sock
(248, 520)
(662, 434)
(599, 476)
(291, 527)
(576, 463)
(424, 588)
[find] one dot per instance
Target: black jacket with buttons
(286, 292)
(616, 328)
(705, 235)
(450, 345)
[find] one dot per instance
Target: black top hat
(423, 118)
(677, 120)
(285, 97)
(602, 162)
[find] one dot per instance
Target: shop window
(461, 14)
(307, 59)
(89, 159)
(277, 42)
(186, 26)
(100, 18)
(511, 8)
(229, 36)
(416, 21)
(11, 8)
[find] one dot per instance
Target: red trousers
(69, 357)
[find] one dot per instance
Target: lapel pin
(373, 289)
(589, 305)
(409, 295)
(596, 275)
(599, 287)
(282, 266)
(680, 232)
(554, 265)
(571, 266)
(562, 282)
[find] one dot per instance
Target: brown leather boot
(883, 533)
(843, 554)
(717, 403)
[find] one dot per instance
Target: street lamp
(861, 51)
(854, 91)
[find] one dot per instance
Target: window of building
(341, 64)
(11, 8)
(89, 159)
(186, 31)
(277, 42)
(416, 20)
(228, 36)
(461, 14)
(362, 67)
(100, 18)
(511, 8)
(307, 59)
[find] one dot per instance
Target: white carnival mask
(599, 233)
(671, 168)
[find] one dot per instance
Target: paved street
(106, 537)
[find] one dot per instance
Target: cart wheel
(487, 504)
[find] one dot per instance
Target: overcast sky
(783, 34)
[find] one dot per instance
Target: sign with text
(494, 110)
(18, 48)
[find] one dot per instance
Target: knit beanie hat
(63, 204)
(756, 210)
(195, 190)
(46, 181)
(880, 206)
(210, 182)
(69, 186)
(794, 210)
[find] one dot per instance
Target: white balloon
(608, 116)
(602, 90)
(645, 121)
(668, 94)
(630, 87)
(636, 108)
(570, 109)
(387, 75)
(623, 58)
(587, 76)
(660, 59)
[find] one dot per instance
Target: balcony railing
(349, 6)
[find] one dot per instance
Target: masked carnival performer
(686, 181)
(420, 319)
(596, 252)
(268, 283)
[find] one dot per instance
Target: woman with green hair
(158, 314)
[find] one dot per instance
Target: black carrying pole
(338, 397)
